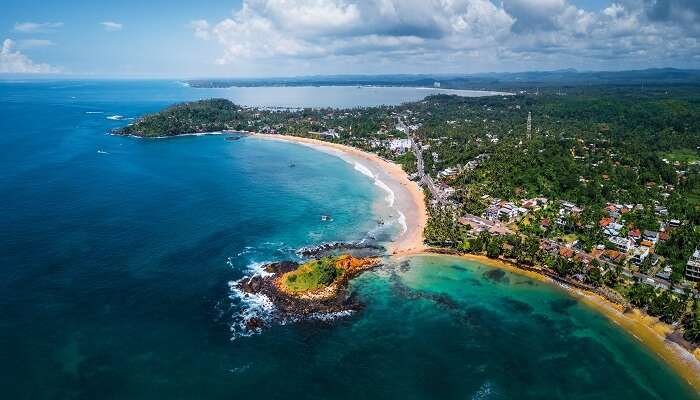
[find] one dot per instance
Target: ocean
(118, 254)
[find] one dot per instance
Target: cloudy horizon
(266, 38)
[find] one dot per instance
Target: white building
(399, 145)
(692, 269)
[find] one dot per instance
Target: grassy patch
(570, 238)
(313, 275)
(684, 156)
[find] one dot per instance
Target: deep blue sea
(117, 254)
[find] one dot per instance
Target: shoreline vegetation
(661, 338)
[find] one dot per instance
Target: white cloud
(14, 62)
(30, 43)
(405, 33)
(37, 27)
(318, 28)
(111, 26)
(201, 29)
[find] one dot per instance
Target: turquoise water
(117, 255)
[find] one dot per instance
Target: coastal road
(425, 179)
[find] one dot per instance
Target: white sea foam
(249, 305)
(484, 391)
(364, 170)
(402, 222)
(390, 197)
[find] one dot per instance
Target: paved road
(425, 179)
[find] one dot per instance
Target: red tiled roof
(566, 252)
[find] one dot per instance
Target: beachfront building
(692, 269)
(399, 145)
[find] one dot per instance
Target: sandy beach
(409, 200)
(407, 197)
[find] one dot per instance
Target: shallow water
(117, 255)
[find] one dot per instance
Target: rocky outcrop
(333, 298)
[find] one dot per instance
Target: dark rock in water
(251, 284)
(281, 267)
(518, 306)
(562, 306)
(253, 324)
(496, 275)
(233, 138)
(331, 248)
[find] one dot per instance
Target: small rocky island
(316, 287)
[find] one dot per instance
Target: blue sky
(298, 37)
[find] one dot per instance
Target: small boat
(326, 218)
(233, 138)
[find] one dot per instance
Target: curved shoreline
(406, 196)
(649, 331)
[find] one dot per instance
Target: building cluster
(508, 211)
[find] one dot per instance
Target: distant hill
(533, 79)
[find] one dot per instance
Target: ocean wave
(364, 170)
(115, 117)
(390, 197)
(247, 306)
(94, 112)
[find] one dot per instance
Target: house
(658, 210)
(544, 224)
(665, 273)
(613, 256)
(692, 268)
(635, 234)
(651, 236)
(448, 172)
(566, 252)
(613, 229)
(663, 236)
(623, 245)
(491, 213)
(639, 255)
(646, 243)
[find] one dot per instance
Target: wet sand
(408, 199)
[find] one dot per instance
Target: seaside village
(556, 223)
